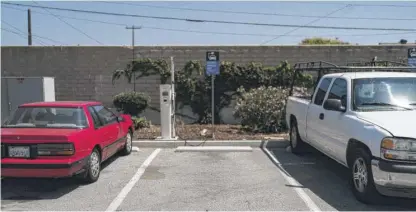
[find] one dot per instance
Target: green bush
(261, 109)
(140, 122)
(132, 103)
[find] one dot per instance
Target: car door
(99, 131)
(110, 129)
(314, 116)
(335, 123)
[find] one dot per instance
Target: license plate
(19, 151)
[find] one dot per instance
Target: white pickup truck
(366, 121)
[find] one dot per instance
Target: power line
(360, 5)
(10, 25)
(287, 33)
(258, 13)
(67, 23)
(208, 32)
(212, 21)
(23, 36)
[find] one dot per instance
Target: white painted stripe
(214, 149)
(297, 186)
(136, 177)
(135, 149)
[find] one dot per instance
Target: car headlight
(60, 149)
(399, 149)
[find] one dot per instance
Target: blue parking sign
(213, 63)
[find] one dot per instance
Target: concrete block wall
(84, 73)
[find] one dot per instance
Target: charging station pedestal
(166, 115)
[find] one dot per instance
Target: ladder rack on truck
(323, 67)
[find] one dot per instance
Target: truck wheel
(296, 143)
(129, 144)
(362, 182)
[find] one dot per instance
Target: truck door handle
(321, 116)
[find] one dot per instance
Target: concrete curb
(275, 143)
(214, 149)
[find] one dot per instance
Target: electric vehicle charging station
(167, 109)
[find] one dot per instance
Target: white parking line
(136, 177)
(297, 186)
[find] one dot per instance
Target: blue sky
(51, 27)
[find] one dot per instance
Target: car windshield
(376, 94)
(47, 117)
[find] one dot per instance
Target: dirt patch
(193, 132)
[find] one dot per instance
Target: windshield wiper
(386, 104)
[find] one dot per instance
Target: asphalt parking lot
(200, 181)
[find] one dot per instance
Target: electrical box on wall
(19, 90)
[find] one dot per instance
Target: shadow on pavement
(328, 180)
(19, 190)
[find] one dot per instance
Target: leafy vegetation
(261, 109)
(323, 41)
(193, 86)
(140, 122)
(132, 103)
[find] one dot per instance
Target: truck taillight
(60, 149)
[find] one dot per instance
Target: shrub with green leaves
(132, 103)
(140, 122)
(261, 109)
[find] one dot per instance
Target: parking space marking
(296, 185)
(123, 193)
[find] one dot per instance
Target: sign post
(411, 57)
(212, 69)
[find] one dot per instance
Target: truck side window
(323, 88)
(339, 91)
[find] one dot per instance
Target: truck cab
(366, 122)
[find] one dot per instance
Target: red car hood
(38, 134)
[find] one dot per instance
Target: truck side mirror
(335, 105)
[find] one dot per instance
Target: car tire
(93, 168)
(296, 143)
(361, 178)
(129, 144)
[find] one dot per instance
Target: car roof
(376, 74)
(61, 104)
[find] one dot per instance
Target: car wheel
(361, 179)
(93, 167)
(296, 143)
(129, 144)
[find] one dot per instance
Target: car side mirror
(335, 105)
(120, 119)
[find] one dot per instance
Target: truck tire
(93, 168)
(129, 144)
(361, 178)
(296, 143)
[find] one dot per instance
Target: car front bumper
(394, 179)
(42, 170)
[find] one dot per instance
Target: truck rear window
(47, 117)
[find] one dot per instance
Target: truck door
(315, 117)
(334, 126)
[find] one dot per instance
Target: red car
(61, 139)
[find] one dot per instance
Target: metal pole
(29, 28)
(133, 55)
(172, 81)
(132, 63)
(212, 105)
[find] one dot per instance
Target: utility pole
(133, 56)
(29, 28)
